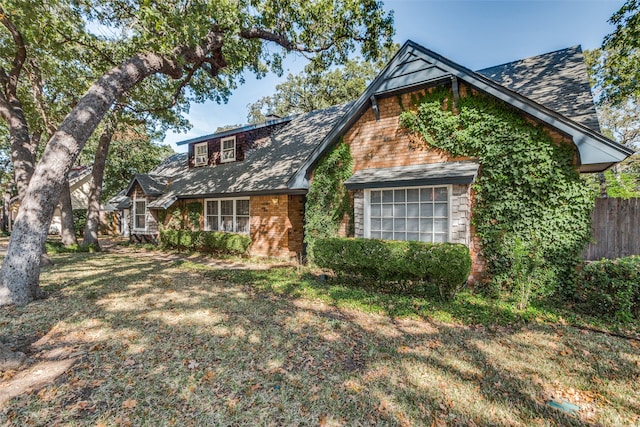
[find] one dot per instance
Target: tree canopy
(620, 72)
(315, 88)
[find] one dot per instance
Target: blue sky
(475, 34)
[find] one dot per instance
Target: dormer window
(201, 154)
(228, 151)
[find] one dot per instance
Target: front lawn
(139, 339)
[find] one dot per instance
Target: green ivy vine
(528, 190)
(327, 199)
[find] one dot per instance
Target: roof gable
(415, 67)
(411, 70)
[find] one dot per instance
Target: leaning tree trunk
(20, 268)
(95, 191)
(67, 229)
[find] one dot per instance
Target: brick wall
(384, 143)
(276, 226)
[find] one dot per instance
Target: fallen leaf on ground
(129, 404)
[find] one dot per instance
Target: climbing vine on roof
(528, 190)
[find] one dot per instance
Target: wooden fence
(616, 229)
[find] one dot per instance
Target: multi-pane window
(212, 220)
(420, 214)
(231, 215)
(228, 149)
(140, 215)
(201, 154)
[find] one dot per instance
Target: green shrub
(610, 289)
(79, 221)
(205, 241)
(444, 265)
(525, 275)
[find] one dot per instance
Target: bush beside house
(205, 241)
(445, 265)
(610, 289)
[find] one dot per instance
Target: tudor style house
(254, 179)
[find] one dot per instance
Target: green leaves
(327, 199)
(528, 189)
(621, 55)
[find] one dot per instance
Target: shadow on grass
(203, 346)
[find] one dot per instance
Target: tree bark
(20, 268)
(95, 191)
(67, 229)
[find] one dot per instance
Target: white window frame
(199, 159)
(207, 225)
(227, 159)
(367, 207)
(136, 214)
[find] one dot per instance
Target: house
(79, 186)
(254, 179)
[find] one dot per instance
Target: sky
(475, 34)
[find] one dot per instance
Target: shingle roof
(400, 176)
(267, 168)
(553, 87)
(558, 80)
(78, 173)
(152, 184)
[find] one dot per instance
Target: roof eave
(235, 131)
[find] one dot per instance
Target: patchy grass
(159, 342)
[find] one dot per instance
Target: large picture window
(140, 214)
(230, 215)
(420, 214)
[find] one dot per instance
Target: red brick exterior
(277, 226)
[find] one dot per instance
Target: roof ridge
(577, 47)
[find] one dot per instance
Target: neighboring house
(254, 179)
(79, 186)
(118, 215)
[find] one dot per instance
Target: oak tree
(205, 46)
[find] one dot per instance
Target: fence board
(616, 229)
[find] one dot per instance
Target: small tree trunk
(23, 148)
(6, 201)
(67, 229)
(95, 191)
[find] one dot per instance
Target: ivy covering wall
(530, 203)
(327, 199)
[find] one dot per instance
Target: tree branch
(18, 59)
(35, 78)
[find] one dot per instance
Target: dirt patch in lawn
(155, 343)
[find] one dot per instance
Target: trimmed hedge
(205, 241)
(611, 289)
(445, 265)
